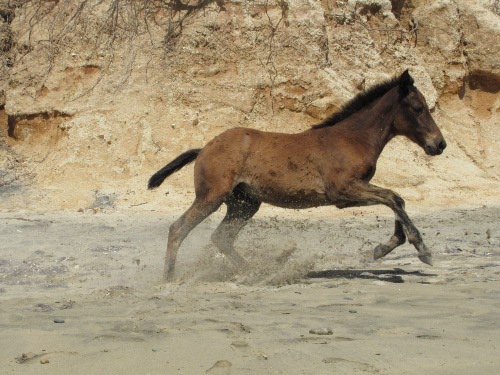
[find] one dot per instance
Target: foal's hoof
(380, 251)
(427, 259)
(168, 277)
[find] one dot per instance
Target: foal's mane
(359, 101)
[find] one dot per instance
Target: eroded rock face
(120, 91)
(462, 36)
(481, 30)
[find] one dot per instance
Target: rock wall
(96, 96)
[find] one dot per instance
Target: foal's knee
(173, 230)
(400, 202)
(175, 234)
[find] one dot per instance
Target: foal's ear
(405, 82)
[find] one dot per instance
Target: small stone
(58, 320)
(44, 361)
(321, 331)
(263, 356)
(353, 311)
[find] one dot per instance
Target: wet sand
(81, 293)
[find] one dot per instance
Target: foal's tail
(176, 164)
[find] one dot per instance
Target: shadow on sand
(393, 276)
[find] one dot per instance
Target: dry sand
(98, 275)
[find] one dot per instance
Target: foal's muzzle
(436, 148)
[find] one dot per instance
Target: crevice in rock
(397, 8)
(15, 123)
(372, 8)
(485, 81)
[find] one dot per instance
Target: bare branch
(52, 25)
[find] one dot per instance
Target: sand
(81, 293)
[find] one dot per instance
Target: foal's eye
(418, 110)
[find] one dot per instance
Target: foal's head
(414, 119)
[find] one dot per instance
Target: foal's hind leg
(240, 208)
(178, 231)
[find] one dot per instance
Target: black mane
(359, 101)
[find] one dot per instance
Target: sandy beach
(81, 293)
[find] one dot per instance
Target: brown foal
(330, 164)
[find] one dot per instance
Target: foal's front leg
(398, 238)
(363, 193)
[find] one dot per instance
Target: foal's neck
(372, 126)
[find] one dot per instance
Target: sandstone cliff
(96, 96)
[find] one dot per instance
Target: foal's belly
(287, 197)
(296, 201)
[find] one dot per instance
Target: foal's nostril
(442, 145)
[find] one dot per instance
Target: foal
(330, 164)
